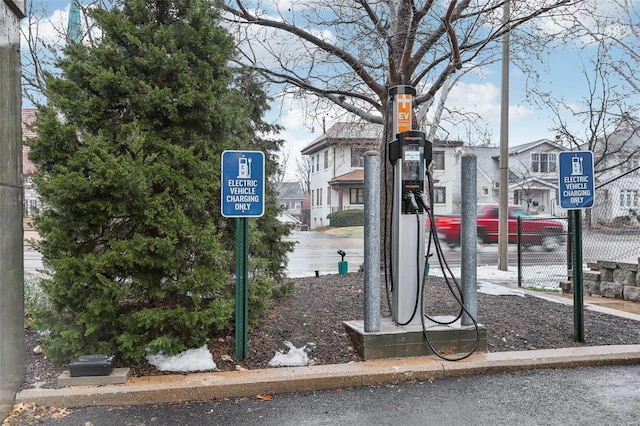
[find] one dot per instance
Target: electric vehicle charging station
(412, 332)
(409, 154)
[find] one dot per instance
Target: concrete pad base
(118, 376)
(393, 341)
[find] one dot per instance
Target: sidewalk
(207, 386)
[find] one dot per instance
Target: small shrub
(34, 296)
(284, 290)
(346, 218)
(621, 220)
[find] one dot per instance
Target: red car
(548, 233)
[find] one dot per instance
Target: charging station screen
(412, 164)
(412, 155)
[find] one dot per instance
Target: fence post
(519, 251)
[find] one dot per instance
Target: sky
(479, 93)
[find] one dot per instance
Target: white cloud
(50, 29)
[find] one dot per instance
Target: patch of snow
(498, 290)
(295, 357)
(484, 272)
(188, 361)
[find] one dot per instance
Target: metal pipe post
(578, 296)
(469, 238)
(371, 241)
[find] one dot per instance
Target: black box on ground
(91, 365)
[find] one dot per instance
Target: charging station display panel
(412, 163)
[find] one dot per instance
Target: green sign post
(576, 187)
(242, 286)
(242, 197)
(578, 296)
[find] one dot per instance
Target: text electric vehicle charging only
(410, 155)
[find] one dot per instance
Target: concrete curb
(218, 385)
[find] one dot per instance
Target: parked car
(545, 232)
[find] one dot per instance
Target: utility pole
(503, 205)
(11, 198)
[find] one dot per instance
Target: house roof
(353, 133)
(352, 177)
(28, 118)
(289, 190)
(487, 161)
(532, 183)
(439, 143)
(531, 145)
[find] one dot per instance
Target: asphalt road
(580, 396)
(317, 251)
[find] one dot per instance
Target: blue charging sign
(575, 180)
(242, 183)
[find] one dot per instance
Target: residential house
(290, 198)
(617, 173)
(445, 169)
(337, 168)
(533, 181)
(337, 176)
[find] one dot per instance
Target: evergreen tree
(128, 154)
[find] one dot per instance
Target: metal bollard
(371, 241)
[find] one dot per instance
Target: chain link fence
(610, 232)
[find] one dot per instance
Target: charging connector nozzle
(412, 199)
(424, 200)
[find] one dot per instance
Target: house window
(319, 196)
(485, 190)
(328, 195)
(312, 199)
(326, 159)
(543, 162)
(439, 195)
(312, 164)
(318, 162)
(438, 160)
(357, 156)
(356, 196)
(628, 198)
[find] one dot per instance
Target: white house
(337, 168)
(445, 171)
(617, 171)
(337, 173)
(533, 181)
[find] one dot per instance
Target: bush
(346, 218)
(131, 226)
(621, 221)
(34, 296)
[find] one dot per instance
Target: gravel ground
(313, 316)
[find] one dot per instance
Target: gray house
(290, 198)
